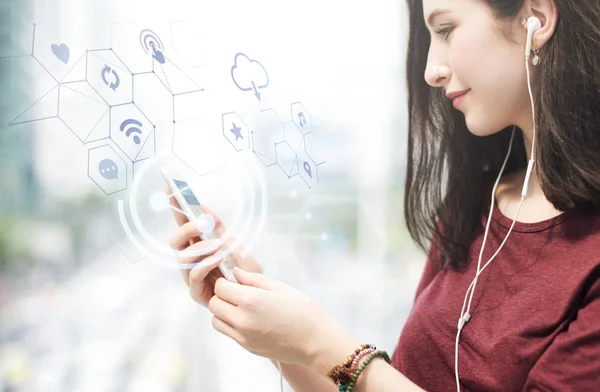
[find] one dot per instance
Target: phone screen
(187, 193)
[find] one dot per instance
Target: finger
(230, 240)
(233, 245)
(226, 329)
(257, 280)
(197, 276)
(180, 239)
(224, 310)
(198, 251)
(234, 293)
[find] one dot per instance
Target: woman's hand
(273, 320)
(201, 278)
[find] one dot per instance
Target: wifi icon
(134, 127)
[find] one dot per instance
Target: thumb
(256, 280)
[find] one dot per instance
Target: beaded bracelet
(348, 387)
(342, 374)
(360, 356)
(370, 357)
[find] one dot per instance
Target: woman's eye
(445, 32)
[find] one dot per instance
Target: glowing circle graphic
(246, 207)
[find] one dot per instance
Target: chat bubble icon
(108, 169)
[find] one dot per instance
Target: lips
(457, 97)
(457, 94)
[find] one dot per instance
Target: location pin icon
(308, 169)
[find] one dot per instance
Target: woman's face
(470, 53)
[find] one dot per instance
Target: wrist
(334, 351)
(375, 364)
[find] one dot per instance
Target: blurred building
(18, 191)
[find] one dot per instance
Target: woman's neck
(536, 207)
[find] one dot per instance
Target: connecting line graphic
(184, 74)
(65, 85)
(166, 79)
(32, 105)
(88, 89)
(95, 126)
(93, 52)
(167, 85)
(32, 54)
(73, 67)
(153, 134)
(116, 75)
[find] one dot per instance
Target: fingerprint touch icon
(133, 129)
(152, 45)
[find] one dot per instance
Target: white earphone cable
(280, 375)
(463, 316)
(466, 316)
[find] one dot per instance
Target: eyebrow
(434, 15)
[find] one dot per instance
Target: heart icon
(61, 52)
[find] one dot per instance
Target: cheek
(463, 57)
(495, 73)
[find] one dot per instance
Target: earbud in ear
(532, 25)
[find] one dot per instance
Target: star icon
(237, 131)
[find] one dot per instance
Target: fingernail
(239, 270)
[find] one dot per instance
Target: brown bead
(339, 375)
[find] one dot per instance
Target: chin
(480, 127)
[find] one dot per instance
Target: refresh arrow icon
(113, 85)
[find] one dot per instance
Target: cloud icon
(249, 74)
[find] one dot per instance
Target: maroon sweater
(535, 322)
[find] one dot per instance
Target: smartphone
(193, 209)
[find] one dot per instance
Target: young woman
(531, 319)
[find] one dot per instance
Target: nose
(437, 75)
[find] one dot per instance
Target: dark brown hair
(448, 168)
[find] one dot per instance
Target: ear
(547, 12)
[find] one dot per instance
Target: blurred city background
(80, 309)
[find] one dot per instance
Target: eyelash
(445, 32)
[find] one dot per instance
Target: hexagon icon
(267, 130)
(107, 169)
(129, 43)
(301, 117)
(132, 132)
(63, 56)
(83, 111)
(200, 144)
(107, 74)
(236, 131)
(287, 159)
(307, 167)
